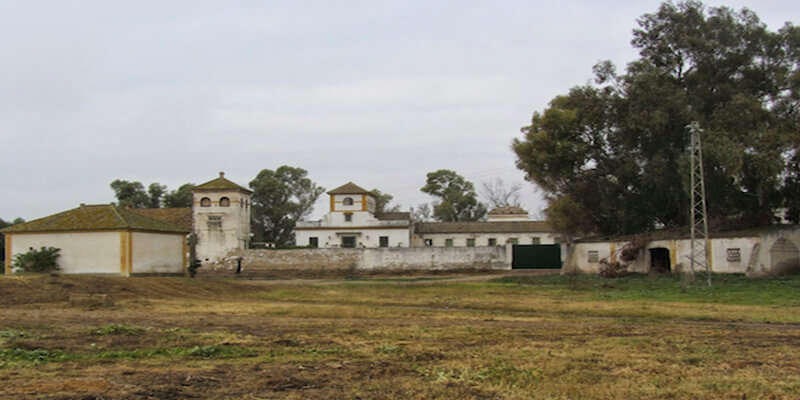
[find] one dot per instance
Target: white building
(220, 218)
(764, 251)
(351, 222)
(103, 239)
(505, 225)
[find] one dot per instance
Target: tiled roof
(482, 227)
(221, 184)
(394, 216)
(180, 217)
(506, 210)
(350, 188)
(99, 217)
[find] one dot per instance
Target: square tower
(220, 218)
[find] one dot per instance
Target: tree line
(612, 156)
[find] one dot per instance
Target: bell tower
(220, 218)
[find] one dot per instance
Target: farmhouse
(103, 239)
(505, 225)
(351, 222)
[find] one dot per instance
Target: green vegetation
(727, 289)
(611, 156)
(35, 261)
(116, 329)
(17, 356)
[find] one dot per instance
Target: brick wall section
(262, 262)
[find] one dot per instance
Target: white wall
(81, 252)
(364, 237)
(754, 253)
(481, 239)
(157, 253)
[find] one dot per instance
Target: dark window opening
(349, 241)
(224, 202)
(348, 217)
(313, 241)
(348, 201)
(205, 202)
(384, 241)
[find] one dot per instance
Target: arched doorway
(784, 257)
(659, 260)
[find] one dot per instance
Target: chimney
(221, 174)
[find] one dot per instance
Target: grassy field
(512, 337)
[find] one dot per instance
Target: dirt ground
(412, 337)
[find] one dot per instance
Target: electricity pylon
(699, 256)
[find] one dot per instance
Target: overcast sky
(375, 92)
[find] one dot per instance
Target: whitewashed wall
(754, 253)
(481, 239)
(81, 252)
(329, 238)
(157, 253)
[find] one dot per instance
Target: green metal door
(527, 256)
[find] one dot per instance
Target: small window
(593, 256)
(734, 255)
(205, 202)
(492, 242)
(513, 241)
(348, 201)
(348, 217)
(448, 243)
(428, 242)
(536, 240)
(241, 203)
(313, 242)
(384, 241)
(224, 202)
(470, 242)
(215, 222)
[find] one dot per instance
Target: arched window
(224, 202)
(348, 201)
(205, 202)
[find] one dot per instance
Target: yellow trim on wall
(673, 253)
(363, 202)
(8, 254)
(333, 203)
(709, 252)
(123, 252)
(130, 253)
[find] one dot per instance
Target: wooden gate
(529, 256)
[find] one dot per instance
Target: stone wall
(301, 262)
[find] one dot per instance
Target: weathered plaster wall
(380, 259)
(215, 240)
(757, 254)
(157, 253)
(365, 237)
(81, 252)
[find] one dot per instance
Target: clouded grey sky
(374, 92)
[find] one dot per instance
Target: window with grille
(215, 222)
(384, 241)
(594, 256)
(734, 255)
(470, 242)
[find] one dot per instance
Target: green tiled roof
(101, 217)
(180, 217)
(350, 188)
(221, 184)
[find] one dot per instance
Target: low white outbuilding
(766, 251)
(103, 239)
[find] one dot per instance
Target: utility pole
(699, 228)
